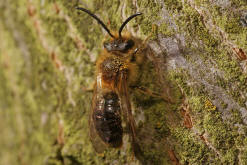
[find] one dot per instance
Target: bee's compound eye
(130, 44)
(108, 46)
(119, 45)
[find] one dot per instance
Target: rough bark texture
(47, 56)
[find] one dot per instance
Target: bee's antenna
(126, 21)
(95, 17)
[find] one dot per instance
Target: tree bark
(196, 58)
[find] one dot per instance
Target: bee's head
(118, 43)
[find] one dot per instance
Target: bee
(116, 70)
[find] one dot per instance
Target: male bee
(116, 70)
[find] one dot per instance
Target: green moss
(243, 157)
(40, 95)
(220, 137)
(233, 74)
(48, 100)
(230, 25)
(165, 30)
(5, 93)
(218, 131)
(192, 151)
(236, 116)
(229, 21)
(130, 8)
(151, 15)
(230, 157)
(31, 132)
(113, 12)
(93, 34)
(197, 103)
(192, 23)
(173, 5)
(10, 65)
(57, 28)
(239, 3)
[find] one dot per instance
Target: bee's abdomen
(107, 119)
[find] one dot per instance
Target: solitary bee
(116, 70)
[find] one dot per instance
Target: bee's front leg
(88, 89)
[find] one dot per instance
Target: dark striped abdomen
(107, 119)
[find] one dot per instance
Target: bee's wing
(126, 106)
(97, 143)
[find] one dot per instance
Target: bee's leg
(153, 32)
(133, 55)
(135, 51)
(152, 93)
(88, 89)
(143, 44)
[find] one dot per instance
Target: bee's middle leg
(152, 93)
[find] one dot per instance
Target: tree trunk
(196, 58)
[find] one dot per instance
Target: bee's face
(119, 45)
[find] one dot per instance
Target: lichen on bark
(196, 57)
